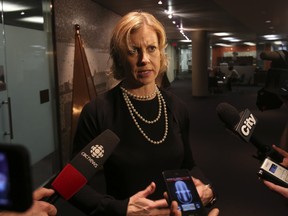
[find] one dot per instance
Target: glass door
(4, 103)
(28, 102)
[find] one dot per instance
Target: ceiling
(31, 15)
(244, 19)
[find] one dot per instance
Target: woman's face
(143, 60)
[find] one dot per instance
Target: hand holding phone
(271, 171)
(181, 188)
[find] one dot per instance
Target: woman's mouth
(144, 73)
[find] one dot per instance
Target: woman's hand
(204, 191)
(139, 204)
(283, 153)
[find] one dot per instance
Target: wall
(228, 51)
(96, 24)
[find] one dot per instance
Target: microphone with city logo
(242, 125)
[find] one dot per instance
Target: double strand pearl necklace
(138, 97)
(134, 112)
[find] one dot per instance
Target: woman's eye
(133, 51)
(152, 48)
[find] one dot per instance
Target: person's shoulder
(104, 99)
(172, 99)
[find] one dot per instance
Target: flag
(83, 86)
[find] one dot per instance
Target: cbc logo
(97, 151)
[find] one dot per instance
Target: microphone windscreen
(228, 114)
(69, 182)
(269, 55)
(94, 155)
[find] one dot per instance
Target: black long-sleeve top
(135, 162)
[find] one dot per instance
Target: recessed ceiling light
(234, 40)
(160, 2)
(271, 37)
(187, 40)
(278, 42)
(221, 34)
(249, 43)
(9, 7)
(35, 19)
(231, 39)
(222, 44)
(228, 38)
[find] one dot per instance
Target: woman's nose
(144, 58)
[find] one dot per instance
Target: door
(28, 103)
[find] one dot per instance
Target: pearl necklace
(138, 97)
(133, 111)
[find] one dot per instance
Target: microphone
(279, 58)
(243, 125)
(270, 56)
(83, 166)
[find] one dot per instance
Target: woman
(152, 124)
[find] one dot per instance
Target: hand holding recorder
(275, 187)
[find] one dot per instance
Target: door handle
(10, 132)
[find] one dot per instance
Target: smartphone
(181, 188)
(271, 171)
(15, 178)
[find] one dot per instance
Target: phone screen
(4, 181)
(15, 178)
(180, 187)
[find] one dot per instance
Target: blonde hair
(119, 43)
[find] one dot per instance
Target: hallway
(227, 160)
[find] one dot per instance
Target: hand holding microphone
(83, 166)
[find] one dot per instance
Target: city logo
(246, 125)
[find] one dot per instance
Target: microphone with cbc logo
(84, 165)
